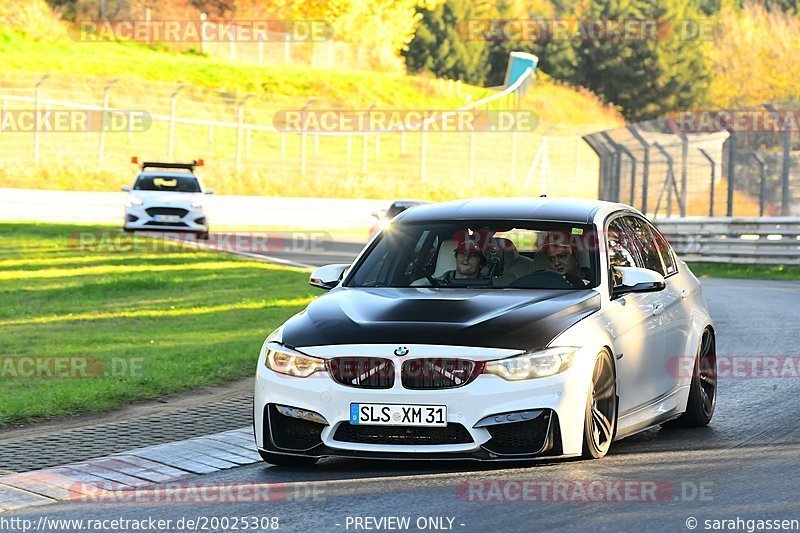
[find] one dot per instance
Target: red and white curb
(134, 469)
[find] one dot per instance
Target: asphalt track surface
(743, 468)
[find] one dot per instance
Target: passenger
(469, 262)
(563, 258)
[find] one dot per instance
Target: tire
(600, 419)
(703, 389)
(202, 235)
(279, 459)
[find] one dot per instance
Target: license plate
(380, 414)
(167, 218)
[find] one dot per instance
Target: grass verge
(775, 272)
(129, 326)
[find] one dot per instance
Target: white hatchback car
(491, 329)
(167, 198)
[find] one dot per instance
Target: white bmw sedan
(491, 329)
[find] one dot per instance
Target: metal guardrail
(766, 240)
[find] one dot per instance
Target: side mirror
(126, 188)
(635, 279)
(328, 276)
(208, 191)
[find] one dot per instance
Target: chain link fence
(744, 163)
(245, 154)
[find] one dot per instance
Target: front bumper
(147, 217)
(477, 415)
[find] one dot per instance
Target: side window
(619, 244)
(646, 246)
(667, 255)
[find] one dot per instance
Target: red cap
(468, 246)
(558, 239)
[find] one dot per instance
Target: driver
(563, 258)
(469, 262)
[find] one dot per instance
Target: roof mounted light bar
(159, 164)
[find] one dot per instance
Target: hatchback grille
(166, 211)
(439, 373)
(451, 434)
(362, 372)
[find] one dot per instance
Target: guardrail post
(762, 182)
(713, 180)
(240, 131)
(172, 106)
(37, 106)
(102, 139)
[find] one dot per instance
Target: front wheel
(703, 389)
(202, 235)
(279, 459)
(600, 421)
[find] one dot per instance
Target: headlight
(290, 362)
(132, 201)
(532, 365)
(197, 203)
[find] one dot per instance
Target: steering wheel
(433, 281)
(543, 279)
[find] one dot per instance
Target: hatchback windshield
(167, 183)
(481, 254)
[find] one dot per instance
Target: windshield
(481, 254)
(167, 183)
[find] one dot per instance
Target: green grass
(776, 272)
(154, 323)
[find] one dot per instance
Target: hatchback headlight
(132, 201)
(284, 360)
(540, 364)
(197, 203)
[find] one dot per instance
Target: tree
(643, 77)
(441, 47)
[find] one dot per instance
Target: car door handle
(657, 309)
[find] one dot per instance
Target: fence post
(37, 106)
(713, 180)
(731, 171)
(172, 106)
(102, 140)
(762, 182)
(422, 142)
(240, 131)
(645, 166)
(622, 148)
(787, 161)
(684, 172)
(514, 154)
(471, 160)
